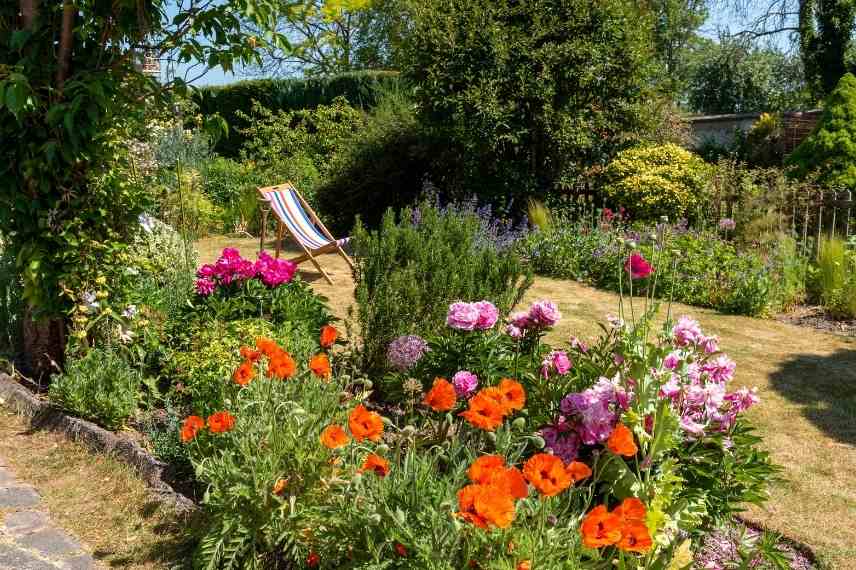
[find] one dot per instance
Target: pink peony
(637, 266)
(520, 320)
(687, 331)
(465, 383)
(557, 360)
(544, 314)
(672, 360)
(720, 369)
(709, 344)
(463, 316)
(205, 286)
(513, 331)
(488, 315)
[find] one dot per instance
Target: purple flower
(687, 331)
(557, 360)
(463, 316)
(592, 410)
(637, 266)
(727, 224)
(692, 427)
(465, 383)
(488, 315)
(544, 314)
(513, 331)
(579, 345)
(405, 351)
(205, 286)
(561, 440)
(671, 389)
(672, 360)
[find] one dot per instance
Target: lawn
(807, 381)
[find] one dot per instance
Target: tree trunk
(43, 346)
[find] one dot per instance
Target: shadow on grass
(825, 387)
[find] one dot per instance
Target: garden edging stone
(42, 415)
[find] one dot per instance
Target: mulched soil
(816, 318)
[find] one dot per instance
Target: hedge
(286, 94)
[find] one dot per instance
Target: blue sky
(719, 18)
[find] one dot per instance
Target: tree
(528, 94)
(826, 42)
(830, 150)
(69, 79)
(335, 36)
(732, 76)
(675, 23)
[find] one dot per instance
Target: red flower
(191, 426)
(329, 334)
(375, 463)
(221, 422)
(313, 560)
(401, 550)
(637, 266)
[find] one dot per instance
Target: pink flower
(579, 345)
(544, 314)
(672, 360)
(488, 315)
(462, 316)
(720, 369)
(557, 360)
(637, 266)
(465, 383)
(689, 425)
(709, 344)
(687, 331)
(205, 286)
(742, 399)
(671, 389)
(513, 331)
(520, 320)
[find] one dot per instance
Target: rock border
(42, 415)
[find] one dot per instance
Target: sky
(719, 18)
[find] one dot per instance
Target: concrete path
(28, 538)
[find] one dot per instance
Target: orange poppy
(631, 510)
(524, 565)
(191, 426)
(320, 365)
(483, 469)
(635, 537)
(484, 413)
(600, 528)
(621, 442)
(401, 550)
(496, 395)
(244, 373)
(513, 394)
(248, 353)
(281, 366)
(279, 486)
(578, 471)
(334, 437)
(377, 464)
(221, 422)
(329, 334)
(547, 473)
(365, 424)
(511, 480)
(484, 505)
(267, 346)
(441, 397)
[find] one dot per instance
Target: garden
(558, 332)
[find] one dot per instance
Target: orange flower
(621, 442)
(329, 334)
(279, 486)
(524, 565)
(401, 550)
(484, 505)
(191, 426)
(600, 528)
(281, 366)
(334, 437)
(244, 373)
(635, 537)
(313, 560)
(513, 394)
(267, 347)
(484, 468)
(547, 473)
(511, 480)
(484, 413)
(631, 510)
(377, 464)
(578, 471)
(441, 397)
(496, 395)
(221, 422)
(365, 424)
(249, 354)
(320, 365)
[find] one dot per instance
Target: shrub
(830, 150)
(184, 206)
(654, 181)
(836, 280)
(11, 304)
(285, 95)
(225, 180)
(418, 261)
(100, 387)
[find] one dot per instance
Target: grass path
(806, 379)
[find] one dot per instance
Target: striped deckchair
(301, 221)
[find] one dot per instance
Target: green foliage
(410, 269)
(358, 88)
(730, 76)
(826, 42)
(830, 150)
(11, 305)
(382, 166)
(100, 387)
(185, 207)
(527, 95)
(655, 181)
(836, 279)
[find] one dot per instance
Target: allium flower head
(727, 224)
(405, 351)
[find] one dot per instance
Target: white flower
(147, 222)
(130, 312)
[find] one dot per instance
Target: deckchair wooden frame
(308, 253)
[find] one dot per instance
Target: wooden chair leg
(345, 255)
(264, 230)
(318, 267)
(278, 239)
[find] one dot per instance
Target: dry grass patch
(95, 498)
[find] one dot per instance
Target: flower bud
(408, 430)
(386, 421)
(491, 437)
(383, 448)
(519, 424)
(538, 441)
